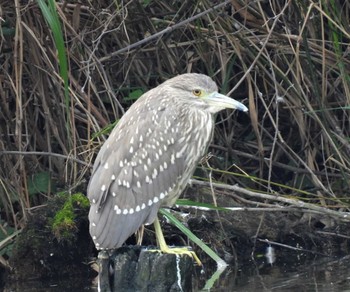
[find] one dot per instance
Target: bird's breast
(192, 145)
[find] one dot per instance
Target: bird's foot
(178, 251)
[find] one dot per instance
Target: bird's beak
(218, 100)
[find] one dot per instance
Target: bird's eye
(197, 92)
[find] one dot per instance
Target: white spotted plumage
(150, 162)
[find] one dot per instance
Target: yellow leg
(164, 248)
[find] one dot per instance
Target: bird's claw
(179, 251)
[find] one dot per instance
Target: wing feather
(137, 163)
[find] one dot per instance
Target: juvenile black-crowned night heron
(150, 156)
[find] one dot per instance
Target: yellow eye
(197, 92)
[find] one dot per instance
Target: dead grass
(289, 60)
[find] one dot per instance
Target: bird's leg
(139, 235)
(103, 271)
(164, 248)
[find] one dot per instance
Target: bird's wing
(136, 171)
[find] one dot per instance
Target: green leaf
(5, 230)
(51, 16)
(145, 3)
(192, 237)
(134, 95)
(105, 130)
(40, 183)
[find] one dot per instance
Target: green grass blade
(50, 14)
(192, 237)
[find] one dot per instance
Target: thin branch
(161, 33)
(344, 216)
(39, 153)
(290, 247)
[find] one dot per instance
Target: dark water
(292, 272)
(298, 274)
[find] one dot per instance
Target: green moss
(80, 200)
(55, 236)
(64, 223)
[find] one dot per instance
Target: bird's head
(200, 90)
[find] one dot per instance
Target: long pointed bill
(222, 101)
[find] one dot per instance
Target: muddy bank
(39, 252)
(242, 230)
(55, 243)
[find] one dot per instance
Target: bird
(150, 156)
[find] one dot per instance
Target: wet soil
(234, 235)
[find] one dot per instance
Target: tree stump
(138, 269)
